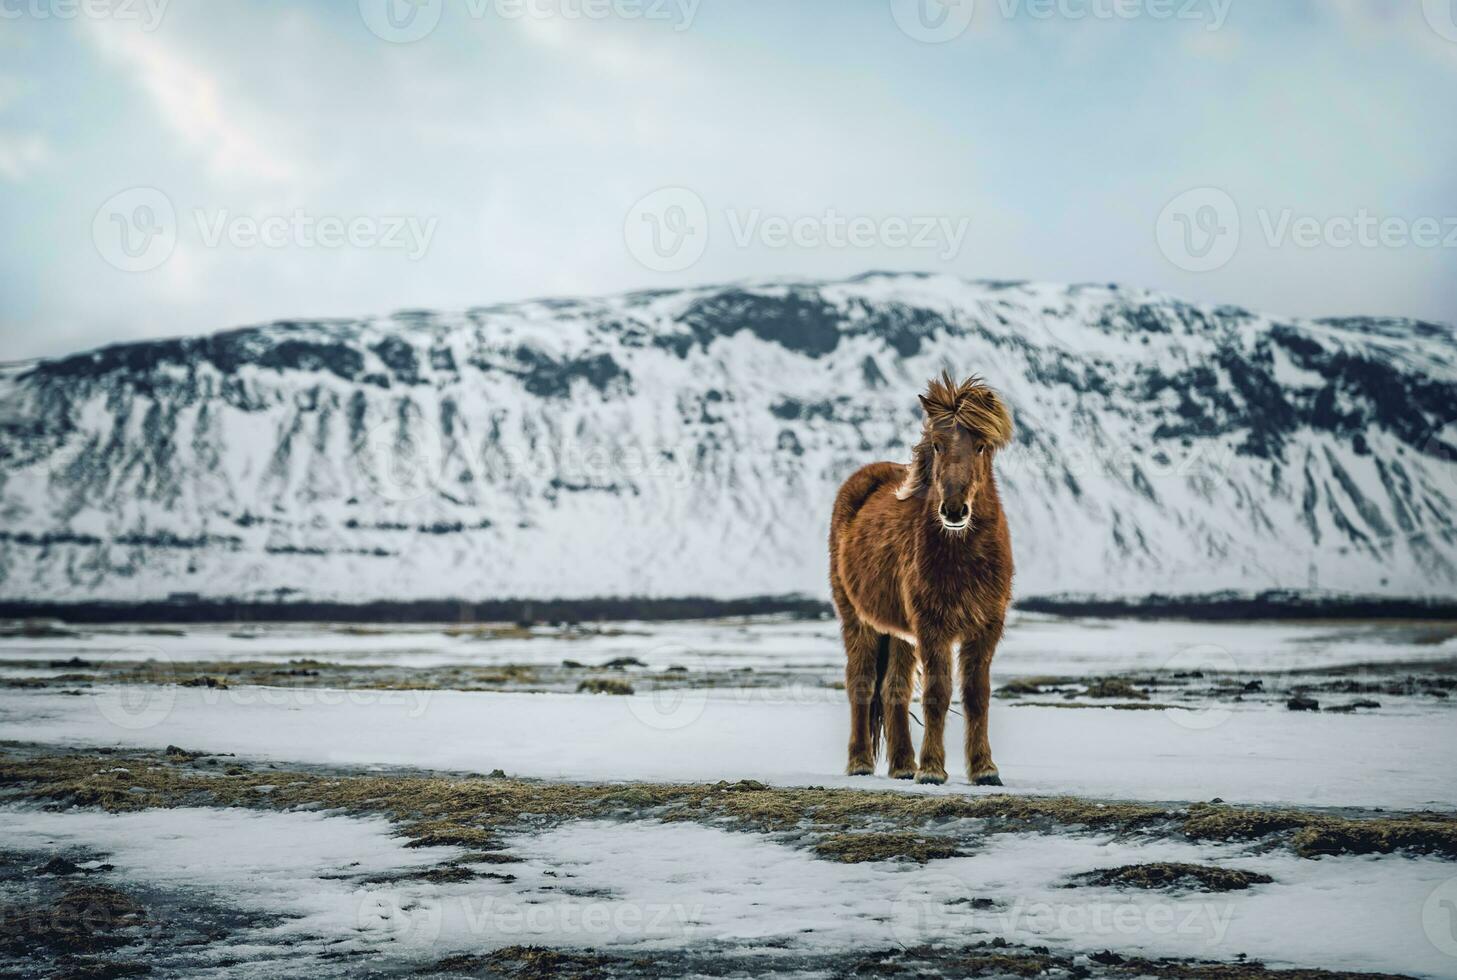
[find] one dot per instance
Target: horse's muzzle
(955, 518)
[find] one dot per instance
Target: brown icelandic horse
(920, 560)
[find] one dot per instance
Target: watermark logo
(933, 908)
(933, 21)
(136, 230)
(382, 914)
(1199, 231)
(405, 21)
(667, 230)
(1439, 917)
(400, 21)
(675, 698)
(401, 460)
(148, 13)
(145, 703)
(415, 702)
(1441, 16)
(1169, 461)
(939, 909)
(679, 13)
(1201, 660)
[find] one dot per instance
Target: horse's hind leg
(976, 699)
(896, 689)
(862, 647)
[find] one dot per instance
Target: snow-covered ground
(337, 886)
(307, 871)
(1253, 755)
(1404, 755)
(1034, 644)
(766, 893)
(651, 886)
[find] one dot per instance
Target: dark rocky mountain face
(690, 442)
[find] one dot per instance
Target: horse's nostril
(955, 515)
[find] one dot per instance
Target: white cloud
(192, 103)
(9, 91)
(530, 138)
(1221, 46)
(1421, 24)
(21, 154)
(601, 46)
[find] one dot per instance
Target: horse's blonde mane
(971, 404)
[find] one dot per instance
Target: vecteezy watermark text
(147, 13)
(1360, 230)
(1201, 230)
(420, 920)
(830, 229)
(668, 230)
(1212, 13)
(941, 908)
(404, 21)
(408, 233)
(138, 229)
(937, 21)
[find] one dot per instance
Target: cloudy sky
(179, 167)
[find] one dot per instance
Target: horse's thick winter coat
(921, 561)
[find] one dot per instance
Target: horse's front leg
(935, 653)
(976, 699)
(898, 686)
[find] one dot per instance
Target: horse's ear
(925, 404)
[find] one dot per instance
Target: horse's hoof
(903, 774)
(931, 778)
(987, 779)
(860, 769)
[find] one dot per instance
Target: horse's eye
(935, 447)
(980, 450)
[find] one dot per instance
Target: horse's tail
(877, 699)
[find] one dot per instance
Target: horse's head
(965, 425)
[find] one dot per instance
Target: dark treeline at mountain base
(1232, 606)
(526, 611)
(1225, 606)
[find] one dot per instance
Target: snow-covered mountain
(690, 442)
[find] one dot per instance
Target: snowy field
(791, 738)
(1328, 721)
(1034, 644)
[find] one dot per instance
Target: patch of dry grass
(528, 963)
(1161, 874)
(604, 685)
(885, 846)
(473, 811)
(1111, 688)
